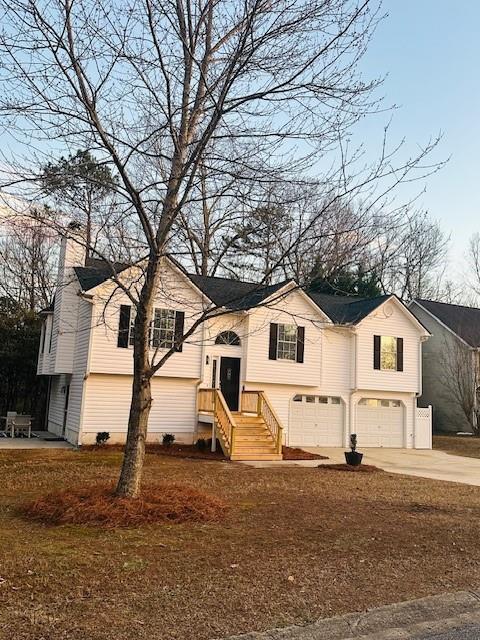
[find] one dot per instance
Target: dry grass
(468, 446)
(361, 468)
(295, 545)
(97, 505)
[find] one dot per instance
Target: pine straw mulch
(294, 453)
(361, 468)
(296, 544)
(191, 451)
(97, 505)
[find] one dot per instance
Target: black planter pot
(353, 458)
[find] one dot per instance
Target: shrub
(102, 437)
(201, 444)
(168, 439)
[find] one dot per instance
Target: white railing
(423, 427)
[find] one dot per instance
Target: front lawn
(296, 544)
(468, 446)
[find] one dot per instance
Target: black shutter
(179, 324)
(376, 352)
(399, 354)
(300, 343)
(272, 350)
(124, 326)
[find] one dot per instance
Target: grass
(468, 446)
(296, 544)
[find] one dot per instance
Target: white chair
(22, 425)
(11, 415)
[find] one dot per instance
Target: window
(166, 328)
(163, 329)
(297, 398)
(228, 337)
(388, 353)
(377, 402)
(287, 342)
(310, 399)
(323, 399)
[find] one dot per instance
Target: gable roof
(234, 294)
(238, 295)
(347, 309)
(463, 321)
(96, 271)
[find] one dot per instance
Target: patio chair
(22, 426)
(7, 424)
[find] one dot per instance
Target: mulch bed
(191, 451)
(98, 506)
(361, 468)
(294, 453)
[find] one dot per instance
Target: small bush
(102, 437)
(201, 444)
(168, 439)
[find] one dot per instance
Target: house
(450, 363)
(278, 366)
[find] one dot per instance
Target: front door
(230, 381)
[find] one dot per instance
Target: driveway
(424, 463)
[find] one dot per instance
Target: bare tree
(27, 260)
(150, 87)
(411, 259)
(460, 375)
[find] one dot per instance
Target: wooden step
(253, 437)
(256, 456)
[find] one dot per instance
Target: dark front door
(230, 381)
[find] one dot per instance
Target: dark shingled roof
(346, 309)
(234, 294)
(464, 321)
(238, 295)
(96, 271)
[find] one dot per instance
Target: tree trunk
(131, 473)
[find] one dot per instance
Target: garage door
(316, 421)
(380, 423)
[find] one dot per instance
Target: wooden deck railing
(257, 402)
(212, 401)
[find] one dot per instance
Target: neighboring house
(314, 368)
(450, 363)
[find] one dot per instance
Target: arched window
(228, 337)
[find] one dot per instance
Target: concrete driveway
(415, 462)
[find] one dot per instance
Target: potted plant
(353, 457)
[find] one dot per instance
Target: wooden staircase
(253, 440)
(254, 433)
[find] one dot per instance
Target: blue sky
(430, 51)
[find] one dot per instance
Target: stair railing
(257, 402)
(212, 401)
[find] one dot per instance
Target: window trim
(281, 328)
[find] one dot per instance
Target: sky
(430, 52)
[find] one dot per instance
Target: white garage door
(316, 421)
(380, 423)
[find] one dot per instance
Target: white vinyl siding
(259, 368)
(390, 319)
(107, 405)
